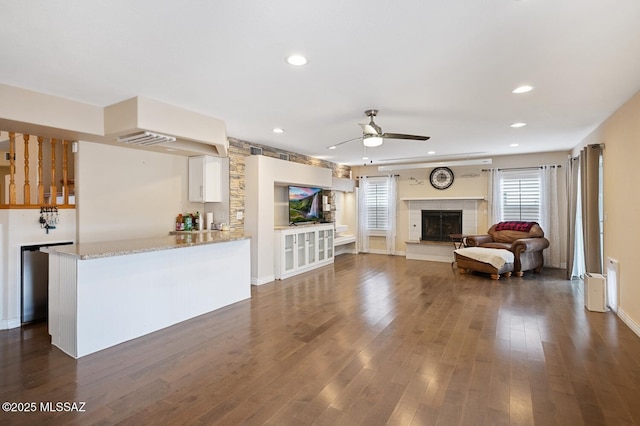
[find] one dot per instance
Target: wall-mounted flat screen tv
(305, 204)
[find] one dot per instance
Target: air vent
(255, 150)
(145, 139)
(284, 157)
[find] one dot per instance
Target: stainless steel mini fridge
(35, 283)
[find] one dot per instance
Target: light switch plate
(239, 215)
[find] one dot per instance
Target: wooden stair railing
(40, 185)
(40, 194)
(12, 168)
(27, 186)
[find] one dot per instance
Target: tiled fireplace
(446, 213)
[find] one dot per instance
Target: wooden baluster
(54, 187)
(12, 168)
(27, 186)
(65, 165)
(40, 185)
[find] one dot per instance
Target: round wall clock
(441, 177)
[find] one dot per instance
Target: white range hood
(149, 124)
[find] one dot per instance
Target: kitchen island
(103, 294)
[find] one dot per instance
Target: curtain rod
(523, 168)
(359, 177)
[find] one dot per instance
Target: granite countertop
(96, 250)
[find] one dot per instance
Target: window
(520, 195)
(377, 202)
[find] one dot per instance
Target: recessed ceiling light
(431, 152)
(522, 89)
(513, 145)
(518, 125)
(278, 130)
(297, 60)
(332, 147)
(365, 158)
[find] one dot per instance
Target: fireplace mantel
(479, 197)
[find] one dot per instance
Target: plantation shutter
(377, 199)
(521, 195)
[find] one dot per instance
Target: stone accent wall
(239, 149)
(330, 216)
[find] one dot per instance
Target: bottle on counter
(179, 223)
(197, 222)
(188, 222)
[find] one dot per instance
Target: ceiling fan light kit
(371, 141)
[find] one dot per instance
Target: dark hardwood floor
(370, 340)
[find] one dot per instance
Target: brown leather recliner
(525, 239)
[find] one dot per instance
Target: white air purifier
(595, 292)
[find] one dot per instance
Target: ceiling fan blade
(335, 145)
(368, 129)
(403, 136)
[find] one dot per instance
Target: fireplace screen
(438, 224)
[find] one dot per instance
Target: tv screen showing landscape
(305, 204)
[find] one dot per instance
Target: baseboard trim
(634, 326)
(382, 251)
(9, 324)
(263, 280)
(339, 252)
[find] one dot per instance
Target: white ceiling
(434, 67)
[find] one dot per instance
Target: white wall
(620, 134)
(47, 115)
(124, 193)
(346, 211)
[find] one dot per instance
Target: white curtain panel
(494, 199)
(550, 217)
(363, 232)
(392, 185)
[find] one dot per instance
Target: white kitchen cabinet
(205, 179)
(302, 248)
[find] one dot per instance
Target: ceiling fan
(372, 135)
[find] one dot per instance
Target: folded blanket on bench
(494, 257)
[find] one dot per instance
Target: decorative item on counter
(188, 222)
